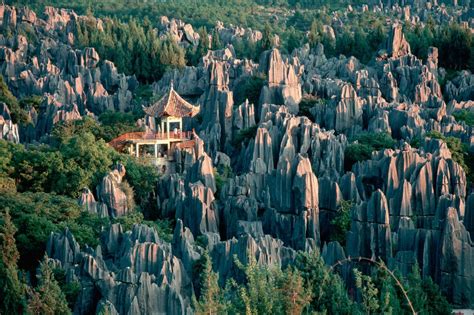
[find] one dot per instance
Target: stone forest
(237, 157)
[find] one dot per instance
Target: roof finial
(171, 85)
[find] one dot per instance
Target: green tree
(202, 47)
(314, 35)
(11, 288)
(294, 40)
(259, 295)
(328, 291)
(368, 292)
(248, 88)
(211, 299)
(362, 146)
(86, 161)
(390, 295)
(454, 44)
(425, 294)
(295, 296)
(267, 41)
(345, 44)
(341, 222)
(18, 115)
(47, 298)
(216, 40)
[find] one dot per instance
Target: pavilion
(168, 113)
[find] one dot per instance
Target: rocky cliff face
(283, 82)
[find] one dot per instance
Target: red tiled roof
(172, 105)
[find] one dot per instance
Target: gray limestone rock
(8, 130)
(112, 193)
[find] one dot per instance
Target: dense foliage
(312, 287)
(341, 223)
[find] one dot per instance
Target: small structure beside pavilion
(159, 143)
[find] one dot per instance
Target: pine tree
(293, 41)
(11, 288)
(368, 291)
(260, 294)
(47, 298)
(328, 291)
(295, 296)
(210, 302)
(267, 41)
(216, 41)
(204, 43)
(314, 36)
(425, 294)
(390, 294)
(415, 290)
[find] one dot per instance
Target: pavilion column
(168, 128)
(156, 150)
(130, 151)
(137, 150)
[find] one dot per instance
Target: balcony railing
(183, 135)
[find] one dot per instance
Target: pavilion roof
(171, 104)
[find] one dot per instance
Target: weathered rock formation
(283, 82)
(112, 193)
(8, 130)
(74, 81)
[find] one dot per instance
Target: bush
(377, 141)
(342, 222)
(356, 152)
(365, 143)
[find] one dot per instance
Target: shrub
(377, 141)
(356, 152)
(364, 144)
(249, 88)
(342, 222)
